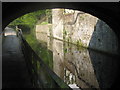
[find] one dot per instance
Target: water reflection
(72, 64)
(77, 66)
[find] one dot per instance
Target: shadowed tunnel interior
(108, 12)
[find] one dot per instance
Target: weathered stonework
(57, 23)
(81, 29)
(43, 31)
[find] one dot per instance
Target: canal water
(78, 67)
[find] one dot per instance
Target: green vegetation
(31, 19)
(79, 43)
(68, 40)
(65, 50)
(48, 13)
(44, 23)
(64, 32)
(82, 17)
(41, 50)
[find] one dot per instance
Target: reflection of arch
(106, 12)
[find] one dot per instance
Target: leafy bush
(29, 19)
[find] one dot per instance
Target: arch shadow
(104, 55)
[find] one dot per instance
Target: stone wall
(81, 29)
(57, 23)
(42, 31)
(89, 31)
(103, 38)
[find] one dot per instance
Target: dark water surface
(77, 66)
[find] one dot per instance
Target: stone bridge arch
(108, 12)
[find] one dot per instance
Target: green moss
(79, 43)
(65, 50)
(44, 23)
(68, 40)
(64, 32)
(82, 17)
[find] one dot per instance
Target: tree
(29, 19)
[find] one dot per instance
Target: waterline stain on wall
(81, 29)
